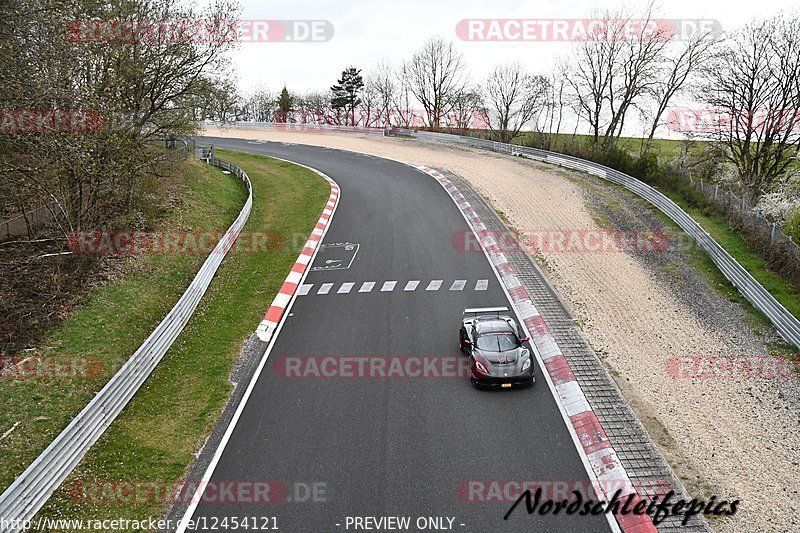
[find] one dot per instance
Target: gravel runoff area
(734, 438)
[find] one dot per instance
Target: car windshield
(497, 342)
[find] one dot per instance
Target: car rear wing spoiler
(485, 310)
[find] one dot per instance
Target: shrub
(791, 226)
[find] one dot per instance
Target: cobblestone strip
(650, 474)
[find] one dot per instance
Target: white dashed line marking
(304, 288)
(367, 286)
(411, 285)
(389, 286)
(434, 285)
(345, 288)
(458, 285)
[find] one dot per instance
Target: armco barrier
(29, 492)
(298, 126)
(786, 323)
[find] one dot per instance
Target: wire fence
(780, 250)
(26, 223)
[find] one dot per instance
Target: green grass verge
(665, 149)
(703, 213)
(112, 322)
(154, 438)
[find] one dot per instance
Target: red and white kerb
(597, 448)
(267, 326)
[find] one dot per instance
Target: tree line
(136, 82)
(747, 80)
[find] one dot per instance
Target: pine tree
(345, 92)
(285, 105)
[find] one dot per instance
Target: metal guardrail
(31, 490)
(299, 126)
(786, 323)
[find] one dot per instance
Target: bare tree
(260, 106)
(316, 107)
(402, 111)
(753, 81)
(635, 75)
(614, 67)
(675, 69)
(555, 102)
(370, 111)
(591, 75)
(384, 81)
(468, 110)
(142, 83)
(512, 97)
(436, 75)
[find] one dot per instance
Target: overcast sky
(369, 31)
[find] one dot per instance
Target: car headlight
(481, 368)
(527, 364)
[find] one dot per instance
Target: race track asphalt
(393, 446)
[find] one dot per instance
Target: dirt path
(732, 438)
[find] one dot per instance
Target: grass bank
(705, 214)
(155, 437)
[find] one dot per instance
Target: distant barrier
(296, 126)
